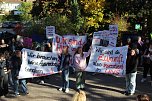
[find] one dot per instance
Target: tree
(92, 10)
(83, 14)
(25, 8)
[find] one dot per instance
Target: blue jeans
(131, 82)
(23, 86)
(10, 81)
(16, 84)
(65, 79)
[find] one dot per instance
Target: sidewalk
(99, 87)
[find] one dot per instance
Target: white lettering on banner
(37, 63)
(109, 60)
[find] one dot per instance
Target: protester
(64, 67)
(8, 57)
(131, 71)
(143, 97)
(16, 65)
(79, 96)
(47, 48)
(140, 48)
(80, 65)
(12, 45)
(144, 48)
(147, 63)
(3, 46)
(3, 76)
(129, 44)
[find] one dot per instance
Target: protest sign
(113, 30)
(37, 63)
(73, 42)
(109, 60)
(67, 40)
(104, 38)
(96, 38)
(27, 42)
(50, 31)
(57, 44)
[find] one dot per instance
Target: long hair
(79, 96)
(144, 97)
(78, 53)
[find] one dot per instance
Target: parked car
(14, 23)
(6, 24)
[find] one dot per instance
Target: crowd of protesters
(139, 54)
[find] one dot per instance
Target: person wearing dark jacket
(147, 63)
(131, 71)
(16, 62)
(64, 68)
(3, 76)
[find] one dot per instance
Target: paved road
(99, 87)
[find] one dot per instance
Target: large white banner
(109, 60)
(37, 63)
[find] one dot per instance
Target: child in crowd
(144, 97)
(64, 68)
(80, 64)
(131, 71)
(79, 96)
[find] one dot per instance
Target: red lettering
(112, 71)
(107, 58)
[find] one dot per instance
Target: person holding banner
(64, 68)
(131, 71)
(16, 62)
(80, 64)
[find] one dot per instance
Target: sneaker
(143, 80)
(18, 94)
(129, 94)
(41, 82)
(66, 90)
(83, 89)
(125, 92)
(60, 89)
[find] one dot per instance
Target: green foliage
(62, 24)
(93, 12)
(82, 15)
(121, 22)
(25, 8)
